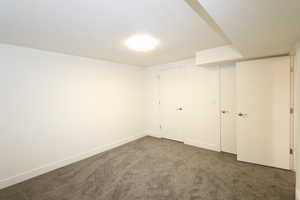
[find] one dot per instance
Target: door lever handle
(224, 111)
(180, 109)
(242, 114)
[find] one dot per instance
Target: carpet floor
(158, 169)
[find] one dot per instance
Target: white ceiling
(97, 28)
(257, 27)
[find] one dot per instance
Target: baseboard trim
(297, 194)
(150, 133)
(58, 164)
(191, 142)
(202, 145)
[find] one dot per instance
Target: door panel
(202, 112)
(228, 102)
(263, 99)
(171, 92)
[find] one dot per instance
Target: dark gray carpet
(158, 169)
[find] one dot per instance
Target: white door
(189, 105)
(171, 92)
(228, 116)
(202, 111)
(263, 104)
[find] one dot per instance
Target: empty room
(149, 100)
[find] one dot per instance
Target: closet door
(171, 92)
(228, 108)
(202, 110)
(189, 105)
(263, 106)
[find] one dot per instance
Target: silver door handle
(242, 114)
(180, 109)
(224, 111)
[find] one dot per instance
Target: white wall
(56, 109)
(297, 116)
(201, 121)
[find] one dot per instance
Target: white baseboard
(202, 145)
(55, 165)
(297, 194)
(190, 142)
(153, 134)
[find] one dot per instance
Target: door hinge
(158, 102)
(291, 110)
(291, 151)
(160, 127)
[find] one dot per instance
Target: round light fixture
(141, 43)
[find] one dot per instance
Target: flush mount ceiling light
(141, 43)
